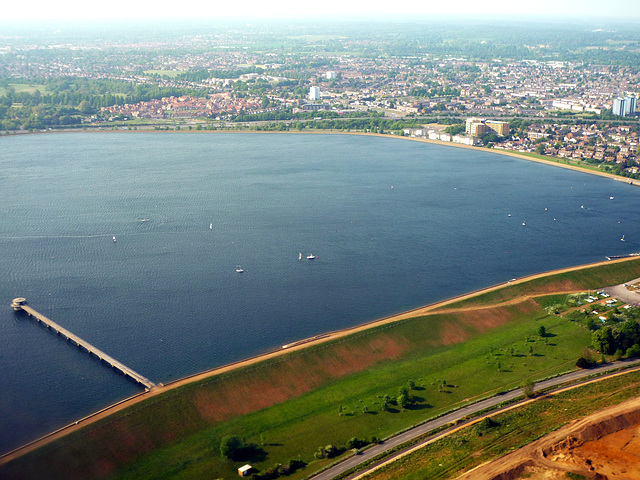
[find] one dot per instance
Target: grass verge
(486, 441)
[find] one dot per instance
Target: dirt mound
(604, 445)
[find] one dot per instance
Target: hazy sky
(134, 9)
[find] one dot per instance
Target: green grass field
(168, 73)
(23, 87)
(584, 279)
(299, 426)
(317, 396)
(463, 450)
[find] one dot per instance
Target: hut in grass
(245, 471)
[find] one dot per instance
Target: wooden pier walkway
(20, 304)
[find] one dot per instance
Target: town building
(619, 106)
(501, 128)
(331, 75)
(314, 107)
(314, 93)
(629, 105)
(476, 127)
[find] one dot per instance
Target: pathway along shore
(557, 162)
(306, 343)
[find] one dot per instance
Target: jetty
(20, 303)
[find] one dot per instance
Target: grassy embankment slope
(485, 441)
(291, 403)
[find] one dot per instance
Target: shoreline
(284, 350)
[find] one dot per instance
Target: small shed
(245, 470)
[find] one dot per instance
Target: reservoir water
(395, 224)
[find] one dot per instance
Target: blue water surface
(395, 225)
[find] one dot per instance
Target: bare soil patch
(604, 445)
(298, 375)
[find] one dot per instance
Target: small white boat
(524, 224)
(611, 198)
(211, 226)
(311, 256)
(114, 239)
(622, 239)
(239, 269)
(300, 256)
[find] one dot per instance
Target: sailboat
(622, 239)
(114, 239)
(311, 256)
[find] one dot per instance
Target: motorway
(453, 418)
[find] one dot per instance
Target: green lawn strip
(168, 73)
(588, 278)
(23, 87)
(561, 161)
(463, 450)
(299, 426)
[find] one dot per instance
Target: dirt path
(160, 389)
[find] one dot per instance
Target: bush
(230, 446)
(528, 388)
(633, 351)
(356, 443)
(331, 451)
(585, 363)
(485, 425)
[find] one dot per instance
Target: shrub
(585, 362)
(485, 425)
(230, 446)
(331, 451)
(633, 351)
(527, 388)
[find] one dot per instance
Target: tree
(633, 351)
(86, 108)
(603, 340)
(528, 388)
(540, 149)
(542, 331)
(403, 401)
(230, 446)
(331, 451)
